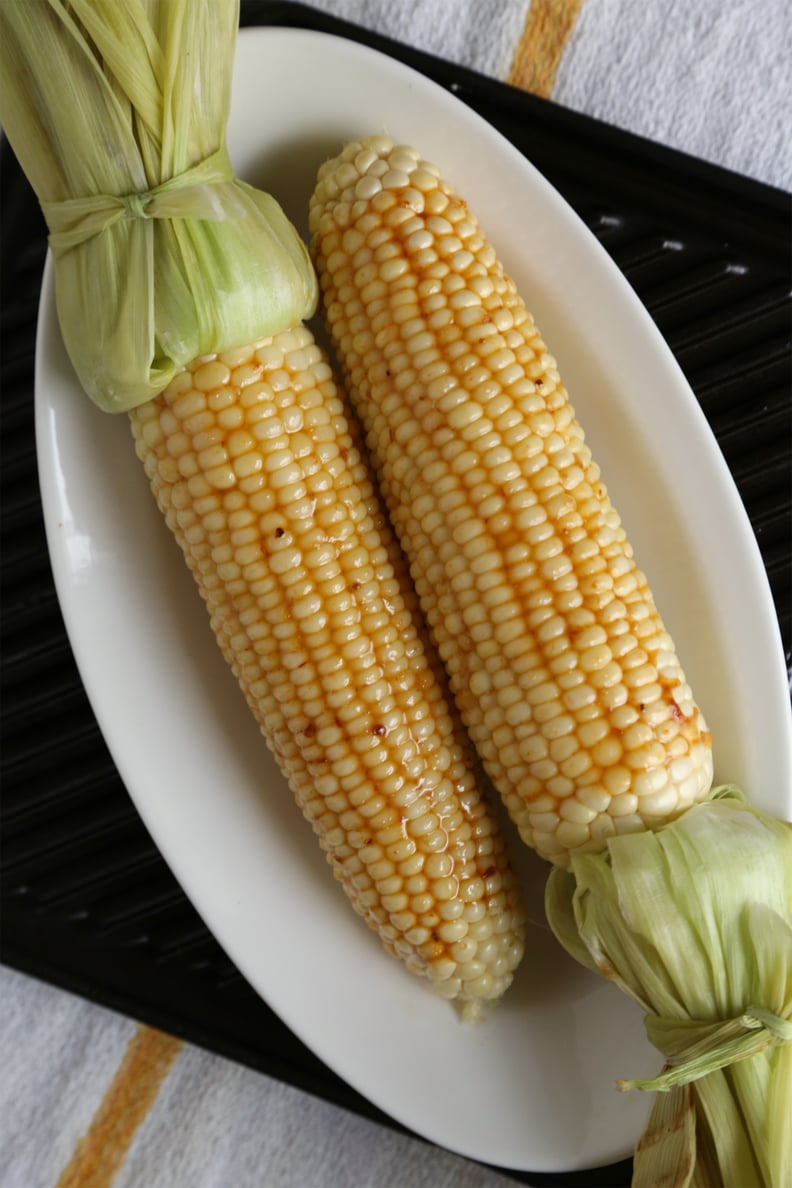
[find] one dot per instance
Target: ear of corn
(562, 668)
(259, 475)
(163, 261)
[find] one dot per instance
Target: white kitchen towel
(712, 79)
(90, 1099)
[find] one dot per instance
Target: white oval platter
(531, 1087)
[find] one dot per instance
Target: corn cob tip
(564, 673)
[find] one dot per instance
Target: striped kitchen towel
(90, 1099)
(708, 78)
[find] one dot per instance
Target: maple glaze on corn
(564, 673)
(257, 470)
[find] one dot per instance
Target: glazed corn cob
(164, 260)
(258, 473)
(565, 676)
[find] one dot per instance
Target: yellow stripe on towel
(102, 1149)
(547, 30)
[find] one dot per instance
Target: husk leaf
(117, 113)
(694, 922)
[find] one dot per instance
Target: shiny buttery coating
(558, 659)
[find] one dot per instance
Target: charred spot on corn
(564, 673)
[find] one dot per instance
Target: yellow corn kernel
(565, 677)
(310, 602)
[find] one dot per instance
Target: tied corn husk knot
(694, 1048)
(117, 114)
(694, 923)
(190, 195)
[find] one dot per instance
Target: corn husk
(117, 114)
(694, 922)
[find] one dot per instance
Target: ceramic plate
(532, 1087)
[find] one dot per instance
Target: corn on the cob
(560, 664)
(259, 475)
(162, 254)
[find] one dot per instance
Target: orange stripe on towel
(102, 1149)
(547, 29)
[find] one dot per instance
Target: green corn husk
(117, 114)
(694, 922)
